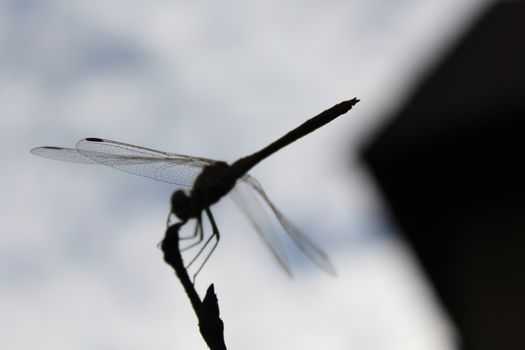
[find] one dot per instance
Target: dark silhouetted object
(450, 165)
(207, 310)
(210, 180)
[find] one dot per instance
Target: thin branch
(207, 311)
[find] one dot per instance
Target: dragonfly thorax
(213, 183)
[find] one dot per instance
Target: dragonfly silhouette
(209, 180)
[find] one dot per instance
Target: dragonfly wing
(250, 205)
(162, 166)
(62, 154)
(307, 246)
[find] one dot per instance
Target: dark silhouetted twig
(210, 325)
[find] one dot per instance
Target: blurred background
(416, 193)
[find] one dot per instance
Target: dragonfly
(207, 181)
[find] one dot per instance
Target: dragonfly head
(180, 205)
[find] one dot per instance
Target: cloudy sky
(79, 267)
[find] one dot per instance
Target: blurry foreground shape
(450, 166)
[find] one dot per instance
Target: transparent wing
(305, 244)
(62, 154)
(245, 198)
(162, 166)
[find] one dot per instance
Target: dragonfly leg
(168, 220)
(180, 224)
(198, 232)
(201, 249)
(215, 234)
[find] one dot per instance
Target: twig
(210, 325)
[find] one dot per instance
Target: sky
(79, 266)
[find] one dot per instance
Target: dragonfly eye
(180, 205)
